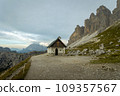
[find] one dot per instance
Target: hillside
(105, 45)
(110, 38)
(10, 58)
(95, 23)
(4, 49)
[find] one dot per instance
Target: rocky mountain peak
(116, 13)
(92, 16)
(77, 28)
(78, 33)
(103, 10)
(34, 47)
(99, 22)
(118, 4)
(102, 7)
(4, 49)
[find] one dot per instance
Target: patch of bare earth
(44, 67)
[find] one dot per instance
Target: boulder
(118, 41)
(99, 52)
(101, 46)
(117, 45)
(91, 52)
(84, 52)
(109, 51)
(78, 52)
(111, 43)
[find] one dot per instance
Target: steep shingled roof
(51, 44)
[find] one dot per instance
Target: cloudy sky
(23, 22)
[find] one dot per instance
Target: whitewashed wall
(52, 50)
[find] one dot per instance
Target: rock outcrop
(116, 13)
(9, 59)
(78, 33)
(99, 22)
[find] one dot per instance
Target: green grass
(111, 58)
(66, 51)
(73, 49)
(12, 69)
(89, 45)
(107, 60)
(21, 75)
(110, 35)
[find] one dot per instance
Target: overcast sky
(26, 21)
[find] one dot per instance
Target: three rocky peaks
(99, 22)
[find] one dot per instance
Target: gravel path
(44, 67)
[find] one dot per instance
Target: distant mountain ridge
(34, 47)
(99, 22)
(6, 49)
(15, 49)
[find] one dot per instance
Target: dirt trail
(45, 67)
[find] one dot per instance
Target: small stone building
(57, 47)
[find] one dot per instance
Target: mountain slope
(96, 23)
(110, 38)
(4, 49)
(34, 47)
(106, 46)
